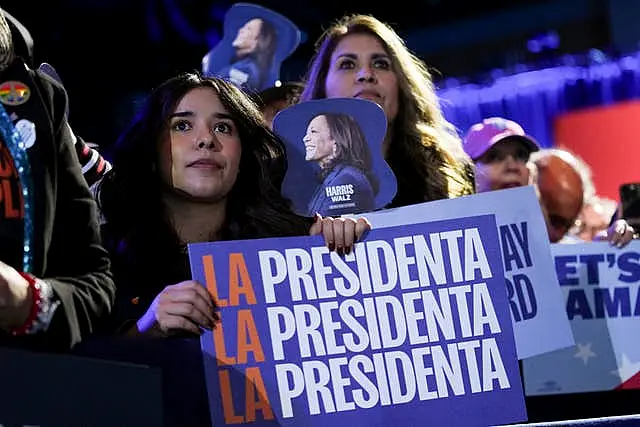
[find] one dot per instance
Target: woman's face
(318, 143)
(247, 38)
(360, 67)
(200, 152)
(503, 166)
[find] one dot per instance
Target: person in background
(564, 183)
(594, 219)
(270, 102)
(361, 57)
(500, 150)
(629, 207)
(275, 99)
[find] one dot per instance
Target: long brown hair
(130, 195)
(426, 153)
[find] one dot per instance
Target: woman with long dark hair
(196, 165)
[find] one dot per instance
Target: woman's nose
(207, 140)
(366, 74)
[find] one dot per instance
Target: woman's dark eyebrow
(380, 55)
(347, 55)
(191, 114)
(182, 114)
(350, 55)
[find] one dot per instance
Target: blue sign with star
(601, 287)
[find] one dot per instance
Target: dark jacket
(358, 198)
(67, 252)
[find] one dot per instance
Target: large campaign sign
(601, 288)
(537, 309)
(410, 328)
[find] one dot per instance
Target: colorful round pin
(14, 93)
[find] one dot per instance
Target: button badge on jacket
(27, 131)
(14, 93)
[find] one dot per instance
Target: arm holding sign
(340, 233)
(188, 307)
(185, 306)
(16, 298)
(619, 234)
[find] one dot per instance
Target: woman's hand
(186, 306)
(619, 234)
(340, 233)
(16, 297)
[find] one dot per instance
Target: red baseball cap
(482, 136)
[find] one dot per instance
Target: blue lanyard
(15, 144)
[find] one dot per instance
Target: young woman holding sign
(197, 164)
(194, 166)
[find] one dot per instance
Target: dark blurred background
(109, 53)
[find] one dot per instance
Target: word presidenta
(348, 341)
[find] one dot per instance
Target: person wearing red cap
(500, 150)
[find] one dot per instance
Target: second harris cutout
(256, 40)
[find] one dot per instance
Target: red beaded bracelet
(35, 306)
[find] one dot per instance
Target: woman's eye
(382, 64)
(222, 127)
(181, 126)
(346, 65)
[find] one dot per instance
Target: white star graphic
(584, 352)
(626, 369)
